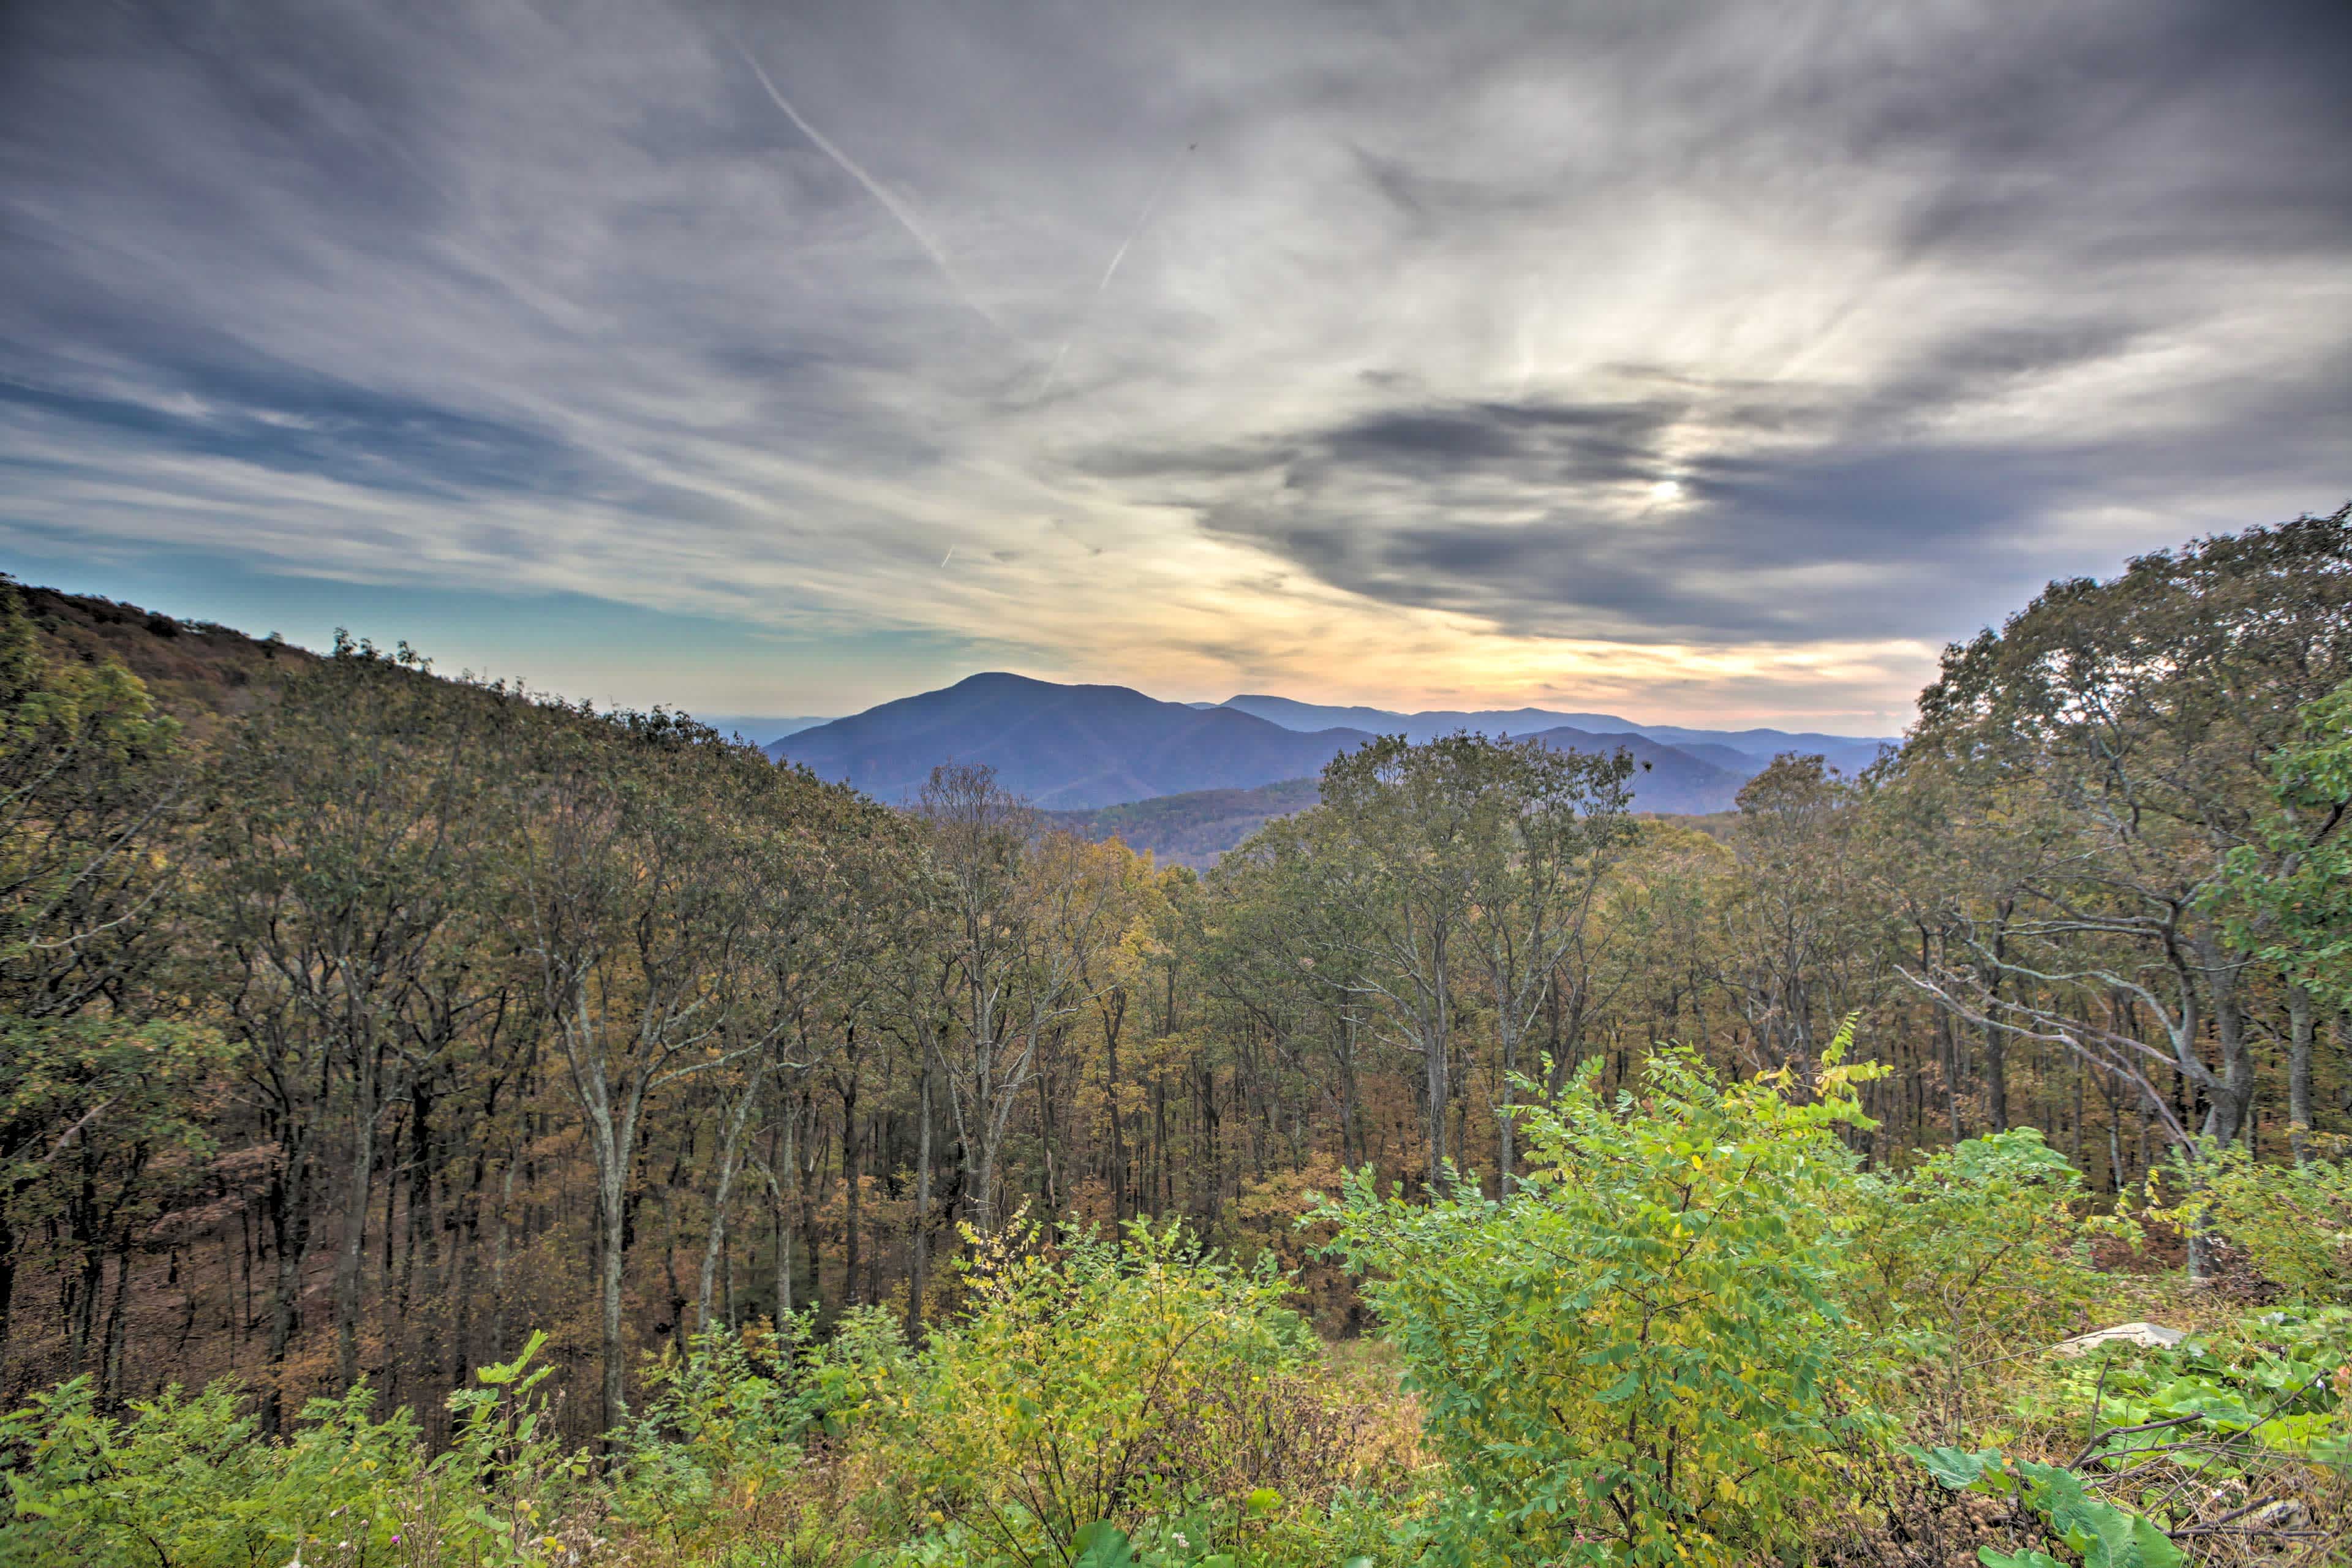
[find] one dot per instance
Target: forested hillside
(369, 1025)
(1192, 829)
(201, 674)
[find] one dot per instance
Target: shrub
(508, 1477)
(1072, 1393)
(731, 1419)
(1633, 1357)
(183, 1480)
(1979, 1245)
(2234, 1439)
(2294, 1221)
(2273, 1384)
(2106, 1535)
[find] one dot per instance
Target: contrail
(948, 557)
(1140, 219)
(875, 188)
(1115, 257)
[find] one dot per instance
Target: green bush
(509, 1478)
(1064, 1398)
(183, 1480)
(1634, 1357)
(1976, 1249)
(2105, 1535)
(2178, 1443)
(186, 1481)
(730, 1419)
(2294, 1221)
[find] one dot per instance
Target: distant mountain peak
(988, 678)
(1083, 747)
(1065, 747)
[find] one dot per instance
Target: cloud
(1914, 307)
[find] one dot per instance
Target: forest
(440, 1124)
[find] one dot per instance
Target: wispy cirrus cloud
(1719, 362)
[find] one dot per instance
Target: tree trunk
(1996, 1043)
(1118, 1172)
(109, 1362)
(853, 1171)
(499, 1259)
(730, 1159)
(2298, 1072)
(918, 1256)
(7, 1288)
(289, 1226)
(612, 1186)
(1507, 1016)
(2233, 1093)
(783, 1222)
(354, 1237)
(1351, 1132)
(1433, 1084)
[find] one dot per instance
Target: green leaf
(1101, 1545)
(1957, 1470)
(1623, 1388)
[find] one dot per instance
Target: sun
(1667, 491)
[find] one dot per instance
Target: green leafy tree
(1022, 918)
(2294, 1221)
(1426, 863)
(343, 860)
(637, 900)
(1547, 828)
(2287, 897)
(1798, 938)
(95, 1094)
(2122, 727)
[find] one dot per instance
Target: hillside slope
(1081, 748)
(198, 672)
(1292, 714)
(1194, 828)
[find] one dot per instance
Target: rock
(2283, 1515)
(2155, 1334)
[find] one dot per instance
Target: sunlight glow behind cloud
(1705, 364)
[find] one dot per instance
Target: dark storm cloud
(1697, 324)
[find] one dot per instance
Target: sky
(1712, 364)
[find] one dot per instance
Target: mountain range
(1081, 749)
(1743, 752)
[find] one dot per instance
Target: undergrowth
(1695, 1331)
